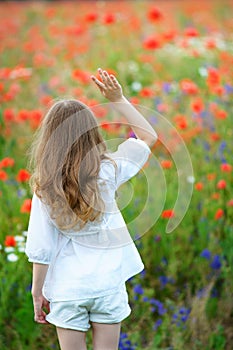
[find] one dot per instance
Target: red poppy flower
(154, 14)
(5, 73)
(151, 43)
(215, 137)
(191, 32)
(181, 121)
(109, 18)
(197, 105)
(46, 100)
(26, 206)
(7, 162)
(189, 87)
(1, 87)
(230, 203)
(8, 115)
(218, 90)
(146, 92)
(213, 77)
(166, 164)
(3, 175)
(221, 114)
(166, 214)
(23, 175)
(215, 196)
(225, 167)
(219, 214)
(211, 176)
(23, 115)
(221, 185)
(105, 126)
(8, 96)
(199, 186)
(210, 44)
(83, 77)
(169, 35)
(10, 241)
(91, 17)
(35, 118)
(134, 100)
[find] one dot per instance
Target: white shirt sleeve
(130, 157)
(41, 236)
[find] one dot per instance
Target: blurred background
(174, 58)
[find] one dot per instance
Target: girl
(77, 240)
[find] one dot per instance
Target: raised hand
(109, 87)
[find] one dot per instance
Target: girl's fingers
(105, 77)
(115, 82)
(108, 80)
(101, 85)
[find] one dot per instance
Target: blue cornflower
(157, 324)
(203, 113)
(125, 343)
(145, 299)
(182, 310)
(138, 289)
(222, 145)
(206, 254)
(206, 145)
(154, 301)
(166, 87)
(164, 280)
(157, 305)
(184, 318)
(228, 88)
(182, 315)
(161, 310)
(216, 263)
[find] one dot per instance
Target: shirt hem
(95, 294)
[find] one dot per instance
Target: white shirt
(98, 259)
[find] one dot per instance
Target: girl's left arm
(40, 245)
(38, 277)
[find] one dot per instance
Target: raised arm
(112, 90)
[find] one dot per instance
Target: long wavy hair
(64, 160)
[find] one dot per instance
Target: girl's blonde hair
(64, 161)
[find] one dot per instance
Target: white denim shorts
(77, 314)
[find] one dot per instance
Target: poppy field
(174, 60)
